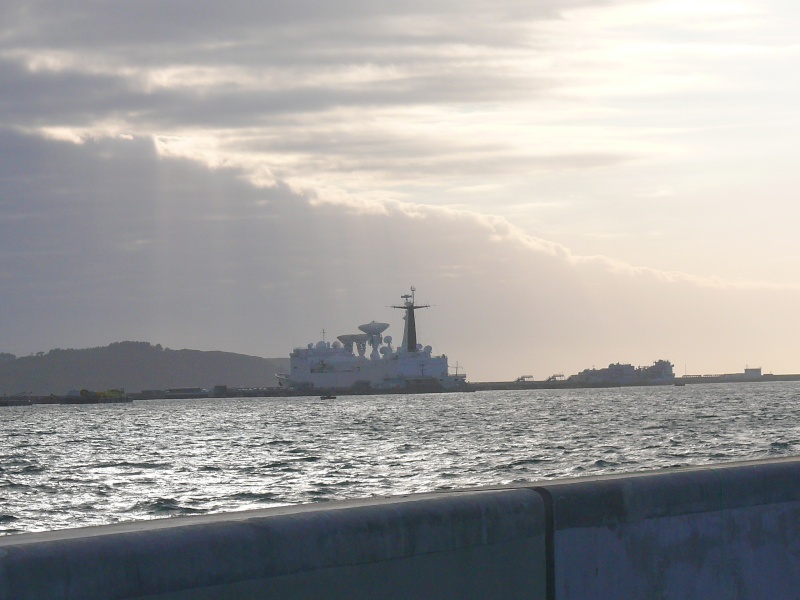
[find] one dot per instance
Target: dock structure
(721, 531)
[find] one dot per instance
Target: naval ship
(344, 366)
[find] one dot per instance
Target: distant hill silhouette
(133, 366)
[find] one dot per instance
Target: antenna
(410, 330)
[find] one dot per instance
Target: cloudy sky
(569, 183)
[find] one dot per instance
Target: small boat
(327, 397)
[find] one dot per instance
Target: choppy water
(69, 466)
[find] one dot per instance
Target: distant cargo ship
(344, 364)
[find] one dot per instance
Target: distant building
(619, 374)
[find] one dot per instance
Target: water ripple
(85, 465)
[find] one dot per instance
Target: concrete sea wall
(728, 531)
(725, 531)
(461, 545)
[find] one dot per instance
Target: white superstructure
(344, 364)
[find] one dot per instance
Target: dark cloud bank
(107, 241)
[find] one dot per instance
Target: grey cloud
(62, 98)
(105, 237)
(165, 24)
(75, 97)
(405, 157)
(282, 120)
(111, 242)
(294, 42)
(296, 39)
(106, 241)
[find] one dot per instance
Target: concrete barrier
(727, 531)
(456, 545)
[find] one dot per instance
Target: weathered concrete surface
(728, 531)
(456, 545)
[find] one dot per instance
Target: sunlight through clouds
(583, 163)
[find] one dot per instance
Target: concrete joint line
(549, 542)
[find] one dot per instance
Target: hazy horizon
(568, 184)
(45, 353)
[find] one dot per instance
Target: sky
(567, 183)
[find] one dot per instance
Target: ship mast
(410, 330)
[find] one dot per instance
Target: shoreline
(481, 386)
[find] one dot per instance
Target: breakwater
(721, 531)
(223, 391)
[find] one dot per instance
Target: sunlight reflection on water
(69, 466)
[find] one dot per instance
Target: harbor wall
(728, 531)
(723, 531)
(471, 545)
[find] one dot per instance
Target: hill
(133, 366)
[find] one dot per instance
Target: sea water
(75, 465)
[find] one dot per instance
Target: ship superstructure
(346, 364)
